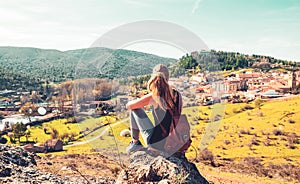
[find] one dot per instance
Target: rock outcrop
(146, 168)
(19, 166)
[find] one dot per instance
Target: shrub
(291, 121)
(247, 107)
(198, 118)
(227, 142)
(254, 141)
(293, 138)
(252, 161)
(245, 132)
(277, 132)
(207, 155)
(283, 139)
(290, 145)
(267, 142)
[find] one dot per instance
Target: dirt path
(99, 135)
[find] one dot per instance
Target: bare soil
(97, 165)
(79, 165)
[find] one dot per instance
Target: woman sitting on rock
(165, 101)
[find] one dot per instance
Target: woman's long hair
(161, 93)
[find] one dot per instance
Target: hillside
(221, 60)
(58, 66)
(13, 81)
(258, 141)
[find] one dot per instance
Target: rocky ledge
(145, 168)
(19, 166)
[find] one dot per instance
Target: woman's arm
(139, 103)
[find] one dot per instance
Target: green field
(264, 132)
(270, 133)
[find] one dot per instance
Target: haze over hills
(58, 66)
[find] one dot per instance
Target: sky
(266, 27)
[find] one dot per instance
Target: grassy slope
(259, 126)
(260, 123)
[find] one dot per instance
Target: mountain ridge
(57, 66)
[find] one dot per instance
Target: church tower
(292, 82)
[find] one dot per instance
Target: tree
(19, 130)
(298, 87)
(188, 62)
(28, 109)
(3, 140)
(27, 134)
(54, 134)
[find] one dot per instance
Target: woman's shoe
(132, 147)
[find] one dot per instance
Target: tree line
(13, 81)
(221, 60)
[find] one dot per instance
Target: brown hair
(161, 93)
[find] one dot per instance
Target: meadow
(242, 134)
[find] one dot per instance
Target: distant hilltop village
(247, 86)
(206, 85)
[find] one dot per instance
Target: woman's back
(163, 119)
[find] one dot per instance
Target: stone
(147, 168)
(19, 166)
(4, 172)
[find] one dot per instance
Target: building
(234, 85)
(200, 77)
(53, 145)
(33, 148)
(49, 145)
(292, 82)
(271, 94)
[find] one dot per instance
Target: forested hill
(220, 60)
(13, 81)
(58, 66)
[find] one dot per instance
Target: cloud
(196, 6)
